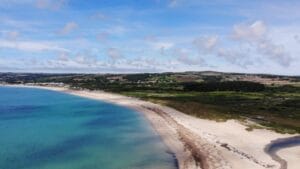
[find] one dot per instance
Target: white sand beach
(292, 156)
(199, 143)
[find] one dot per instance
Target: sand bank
(199, 143)
(291, 155)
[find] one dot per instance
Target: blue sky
(126, 36)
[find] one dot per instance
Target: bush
(244, 86)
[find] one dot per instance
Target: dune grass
(278, 111)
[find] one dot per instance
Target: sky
(137, 36)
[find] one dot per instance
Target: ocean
(43, 129)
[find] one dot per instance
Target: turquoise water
(41, 129)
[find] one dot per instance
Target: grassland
(275, 110)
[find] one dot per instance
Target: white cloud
(182, 56)
(275, 52)
(142, 62)
(252, 32)
(79, 60)
(256, 35)
(63, 57)
(297, 38)
(21, 24)
(206, 44)
(114, 54)
(69, 27)
(30, 46)
(86, 59)
(162, 46)
(235, 57)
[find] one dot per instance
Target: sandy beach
(292, 155)
(199, 143)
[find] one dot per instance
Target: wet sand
(284, 158)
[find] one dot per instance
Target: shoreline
(182, 157)
(280, 145)
(196, 143)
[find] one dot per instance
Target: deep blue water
(41, 129)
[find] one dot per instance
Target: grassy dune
(275, 110)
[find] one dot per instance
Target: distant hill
(168, 77)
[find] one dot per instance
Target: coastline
(197, 143)
(280, 145)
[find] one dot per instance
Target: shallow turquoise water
(41, 129)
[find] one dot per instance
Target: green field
(278, 111)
